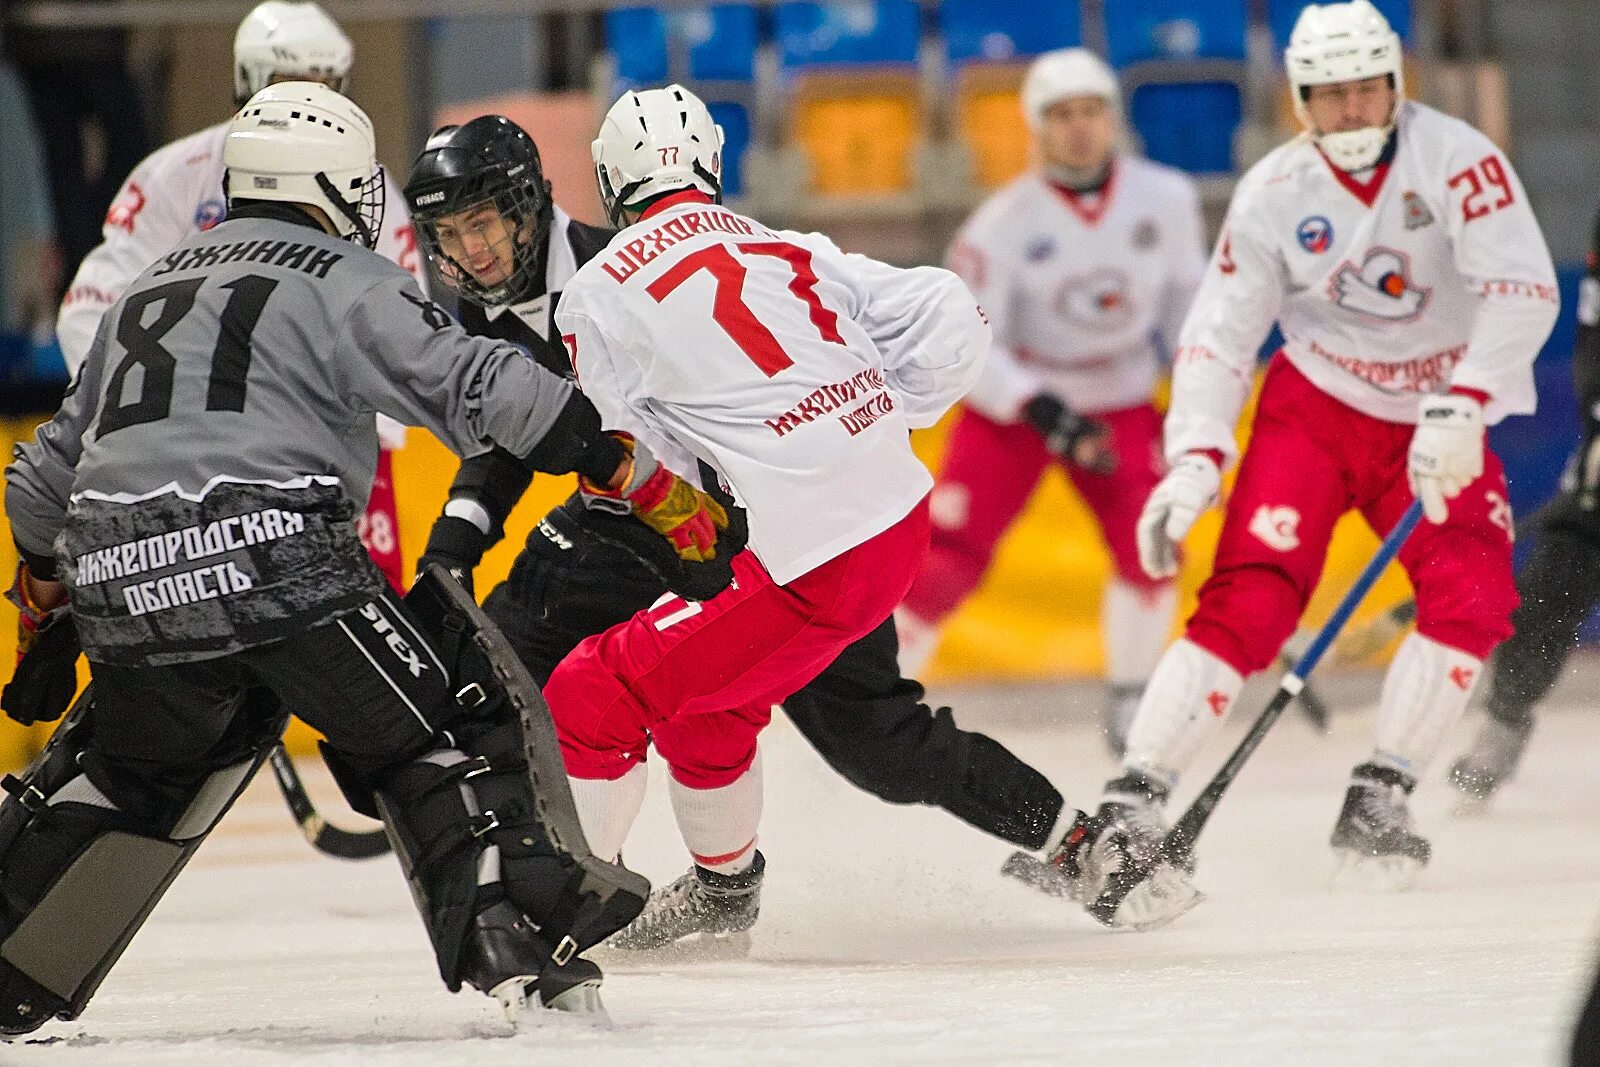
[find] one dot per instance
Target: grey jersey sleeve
(401, 354)
(39, 480)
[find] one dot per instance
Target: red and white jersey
(1078, 287)
(792, 369)
(175, 192)
(1432, 275)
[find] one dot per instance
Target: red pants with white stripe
(379, 526)
(991, 470)
(701, 678)
(1310, 460)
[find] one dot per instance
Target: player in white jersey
(1396, 250)
(794, 372)
(177, 191)
(1086, 267)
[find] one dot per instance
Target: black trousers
(369, 681)
(861, 716)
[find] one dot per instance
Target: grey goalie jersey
(198, 485)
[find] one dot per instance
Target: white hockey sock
(1190, 692)
(719, 825)
(1424, 695)
(1134, 623)
(918, 640)
(607, 808)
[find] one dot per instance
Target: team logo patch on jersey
(1315, 234)
(1381, 287)
(1146, 234)
(1039, 249)
(1417, 213)
(209, 213)
(1102, 300)
(1277, 527)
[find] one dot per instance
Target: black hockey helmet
(489, 160)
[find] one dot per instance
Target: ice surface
(887, 936)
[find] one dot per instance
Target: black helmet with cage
(489, 161)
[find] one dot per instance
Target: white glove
(1446, 452)
(1189, 488)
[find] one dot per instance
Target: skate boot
(1491, 760)
(705, 914)
(507, 958)
(1116, 718)
(1374, 840)
(1133, 802)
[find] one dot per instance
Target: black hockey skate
(703, 914)
(1491, 760)
(1116, 719)
(25, 1005)
(1374, 841)
(1133, 802)
(506, 957)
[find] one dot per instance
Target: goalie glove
(46, 677)
(1446, 451)
(689, 519)
(1078, 439)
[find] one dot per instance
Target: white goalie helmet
(654, 142)
(1346, 42)
(288, 38)
(303, 143)
(1064, 73)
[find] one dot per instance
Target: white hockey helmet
(1345, 42)
(654, 142)
(303, 143)
(288, 38)
(1064, 73)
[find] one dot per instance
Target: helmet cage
(364, 211)
(521, 204)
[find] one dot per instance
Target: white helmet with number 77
(1347, 42)
(654, 142)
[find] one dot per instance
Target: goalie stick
(319, 832)
(1177, 848)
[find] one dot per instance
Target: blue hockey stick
(1178, 847)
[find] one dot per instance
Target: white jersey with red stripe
(794, 370)
(1079, 287)
(1430, 275)
(177, 191)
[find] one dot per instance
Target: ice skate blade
(696, 948)
(1155, 900)
(580, 1005)
(1039, 875)
(1356, 872)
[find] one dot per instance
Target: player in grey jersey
(195, 494)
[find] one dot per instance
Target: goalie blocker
(420, 711)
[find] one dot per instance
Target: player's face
(1078, 132)
(482, 241)
(1344, 107)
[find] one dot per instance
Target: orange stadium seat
(988, 119)
(858, 129)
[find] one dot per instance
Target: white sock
(1424, 695)
(1134, 624)
(1190, 692)
(607, 808)
(719, 825)
(918, 640)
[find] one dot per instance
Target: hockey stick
(1178, 847)
(319, 832)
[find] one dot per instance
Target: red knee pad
(711, 750)
(1245, 615)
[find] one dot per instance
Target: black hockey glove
(1078, 439)
(457, 545)
(46, 678)
(691, 580)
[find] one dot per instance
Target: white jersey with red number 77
(794, 370)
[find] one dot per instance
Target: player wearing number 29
(1396, 250)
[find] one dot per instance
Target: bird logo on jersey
(1315, 234)
(1381, 287)
(1099, 301)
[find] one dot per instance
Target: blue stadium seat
(849, 32)
(734, 119)
(1281, 15)
(1188, 126)
(1138, 30)
(999, 30)
(720, 41)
